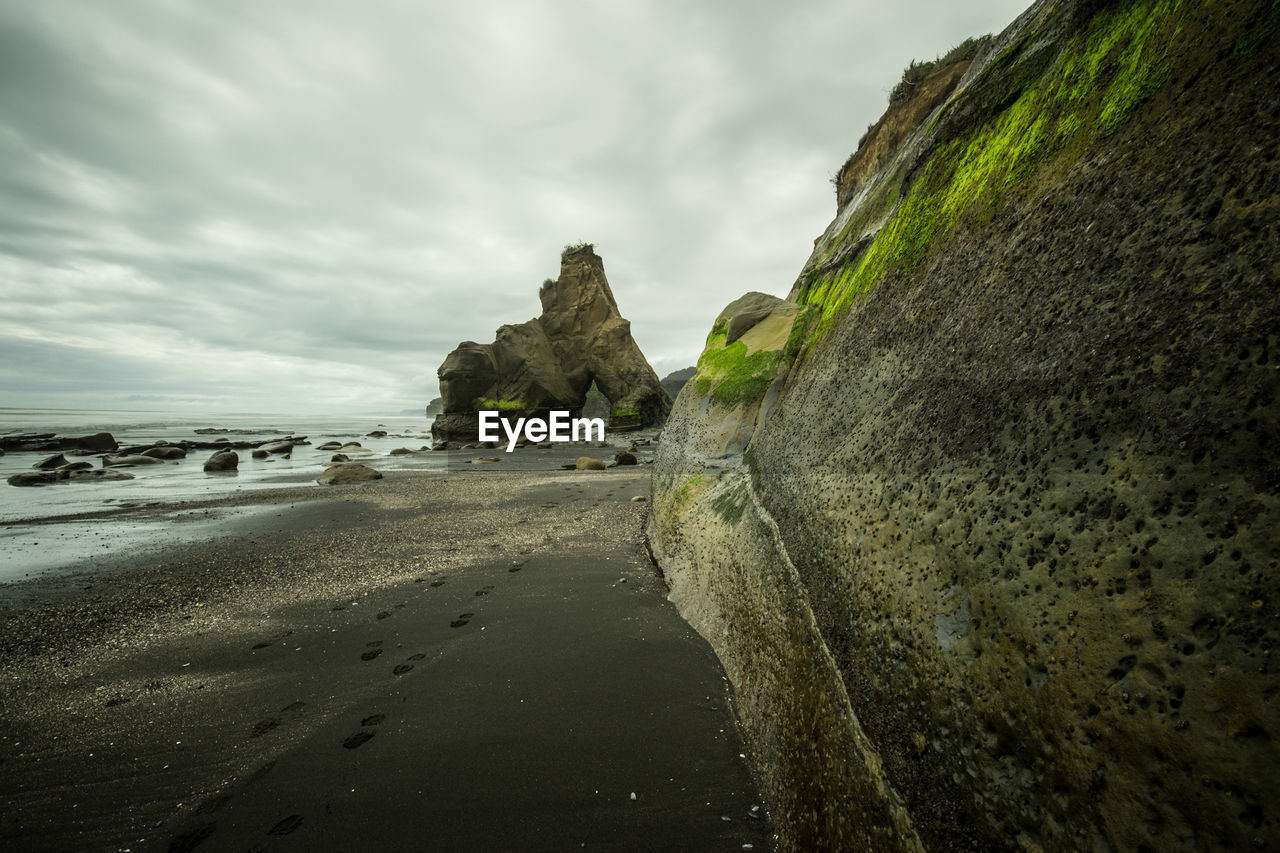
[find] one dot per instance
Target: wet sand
(472, 660)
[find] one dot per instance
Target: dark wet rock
(329, 445)
(377, 433)
(351, 472)
(130, 461)
(101, 442)
(95, 475)
(625, 458)
(401, 451)
(339, 457)
(277, 446)
(57, 460)
(33, 478)
(167, 451)
(223, 460)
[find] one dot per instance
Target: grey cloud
(307, 204)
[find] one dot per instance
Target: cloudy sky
(298, 206)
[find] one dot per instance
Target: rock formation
(981, 519)
(551, 361)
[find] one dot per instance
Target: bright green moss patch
(1056, 108)
(731, 504)
(484, 404)
(624, 412)
(729, 374)
(688, 486)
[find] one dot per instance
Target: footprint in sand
(192, 838)
(263, 726)
(485, 591)
(358, 740)
(463, 618)
(418, 656)
(370, 654)
(437, 583)
(287, 826)
(516, 565)
(401, 669)
(373, 719)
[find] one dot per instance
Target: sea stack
(550, 362)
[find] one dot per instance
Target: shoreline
(214, 682)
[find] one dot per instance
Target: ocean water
(36, 535)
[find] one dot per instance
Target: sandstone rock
(259, 453)
(587, 463)
(550, 362)
(353, 447)
(166, 452)
(352, 472)
(986, 542)
(222, 460)
(340, 457)
(639, 499)
(484, 460)
(330, 445)
(377, 433)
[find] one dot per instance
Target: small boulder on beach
(167, 451)
(351, 472)
(130, 461)
(401, 451)
(57, 460)
(340, 457)
(33, 478)
(95, 475)
(625, 458)
(275, 447)
(222, 460)
(587, 463)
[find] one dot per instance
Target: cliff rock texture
(981, 519)
(551, 361)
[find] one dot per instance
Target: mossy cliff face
(1000, 553)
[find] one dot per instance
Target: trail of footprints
(368, 725)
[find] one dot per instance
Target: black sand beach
(466, 661)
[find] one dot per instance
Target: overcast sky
(294, 206)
